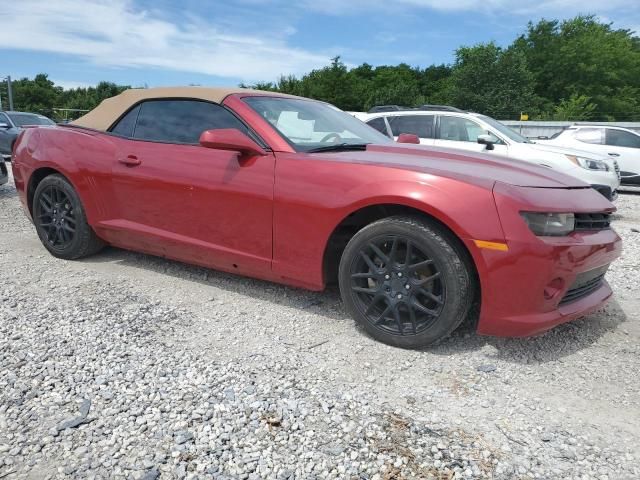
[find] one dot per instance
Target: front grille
(585, 284)
(592, 221)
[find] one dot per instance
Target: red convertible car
(296, 191)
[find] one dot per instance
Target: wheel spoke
(412, 317)
(63, 234)
(363, 275)
(419, 265)
(374, 302)
(396, 315)
(415, 303)
(407, 255)
(368, 261)
(381, 255)
(44, 206)
(380, 318)
(68, 218)
(52, 236)
(68, 228)
(428, 279)
(369, 291)
(394, 250)
(46, 198)
(435, 298)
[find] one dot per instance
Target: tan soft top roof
(109, 110)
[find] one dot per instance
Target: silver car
(11, 123)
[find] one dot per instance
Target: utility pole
(10, 92)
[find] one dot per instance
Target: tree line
(577, 69)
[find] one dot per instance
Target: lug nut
(399, 274)
(386, 277)
(399, 296)
(407, 286)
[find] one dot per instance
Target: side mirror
(231, 139)
(4, 125)
(487, 140)
(408, 138)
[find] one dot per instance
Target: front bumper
(630, 178)
(523, 288)
(606, 192)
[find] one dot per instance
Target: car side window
(379, 125)
(462, 130)
(590, 135)
(4, 119)
(181, 121)
(124, 127)
(620, 138)
(420, 125)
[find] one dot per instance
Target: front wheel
(60, 220)
(406, 282)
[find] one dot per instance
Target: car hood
(564, 150)
(471, 167)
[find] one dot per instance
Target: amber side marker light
(503, 247)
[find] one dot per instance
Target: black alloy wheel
(60, 220)
(406, 281)
(56, 217)
(397, 286)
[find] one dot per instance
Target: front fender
(313, 199)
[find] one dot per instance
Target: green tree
(576, 107)
(584, 56)
(491, 80)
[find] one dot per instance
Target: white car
(449, 127)
(619, 143)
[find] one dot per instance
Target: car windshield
(24, 119)
(314, 126)
(503, 129)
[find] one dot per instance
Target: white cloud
(70, 84)
(542, 7)
(116, 33)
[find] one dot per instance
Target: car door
(422, 126)
(625, 148)
(182, 200)
(462, 133)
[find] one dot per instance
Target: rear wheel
(406, 281)
(60, 220)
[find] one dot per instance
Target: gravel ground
(129, 366)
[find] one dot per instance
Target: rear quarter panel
(82, 156)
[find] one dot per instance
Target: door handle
(612, 154)
(130, 161)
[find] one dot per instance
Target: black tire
(60, 220)
(414, 302)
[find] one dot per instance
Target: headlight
(549, 224)
(589, 163)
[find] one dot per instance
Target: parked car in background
(450, 127)
(296, 191)
(4, 174)
(618, 143)
(11, 123)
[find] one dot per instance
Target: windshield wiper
(337, 147)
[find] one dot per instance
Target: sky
(211, 42)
